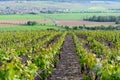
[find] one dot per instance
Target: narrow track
(68, 67)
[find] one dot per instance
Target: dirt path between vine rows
(68, 67)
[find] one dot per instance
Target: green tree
(31, 23)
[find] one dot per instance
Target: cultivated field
(58, 44)
(56, 55)
(21, 17)
(62, 19)
(70, 23)
(55, 16)
(76, 16)
(21, 22)
(73, 23)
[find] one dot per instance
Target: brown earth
(68, 67)
(10, 23)
(71, 23)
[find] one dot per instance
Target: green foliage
(25, 55)
(32, 23)
(87, 77)
(117, 22)
(99, 58)
(104, 18)
(30, 28)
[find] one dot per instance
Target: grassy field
(21, 17)
(30, 28)
(56, 16)
(76, 16)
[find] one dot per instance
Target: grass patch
(30, 28)
(56, 16)
(76, 16)
(22, 17)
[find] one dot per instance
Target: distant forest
(115, 19)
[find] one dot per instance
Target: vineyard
(60, 55)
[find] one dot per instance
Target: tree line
(115, 19)
(93, 28)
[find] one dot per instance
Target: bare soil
(72, 23)
(10, 23)
(68, 67)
